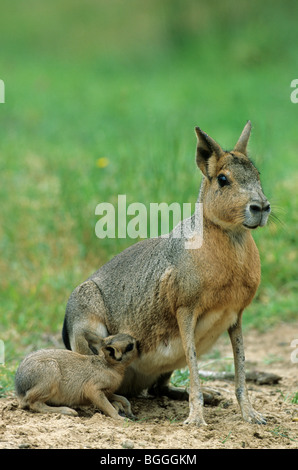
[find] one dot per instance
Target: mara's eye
(222, 180)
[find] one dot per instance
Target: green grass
(289, 398)
(128, 82)
(294, 399)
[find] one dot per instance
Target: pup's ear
(112, 352)
(243, 139)
(208, 153)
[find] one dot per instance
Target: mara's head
(120, 348)
(231, 193)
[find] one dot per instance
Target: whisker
(275, 220)
(277, 208)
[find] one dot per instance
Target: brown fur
(47, 379)
(178, 301)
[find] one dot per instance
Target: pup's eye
(129, 347)
(222, 180)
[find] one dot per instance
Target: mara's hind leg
(87, 341)
(84, 324)
(162, 387)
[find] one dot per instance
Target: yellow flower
(102, 162)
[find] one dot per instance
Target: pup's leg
(248, 413)
(102, 403)
(124, 405)
(98, 398)
(187, 321)
(35, 400)
(41, 407)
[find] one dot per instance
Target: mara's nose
(257, 207)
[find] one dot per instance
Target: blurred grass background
(101, 99)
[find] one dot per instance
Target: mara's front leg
(187, 322)
(247, 411)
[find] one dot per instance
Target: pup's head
(232, 193)
(120, 348)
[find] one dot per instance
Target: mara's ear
(112, 352)
(243, 139)
(208, 153)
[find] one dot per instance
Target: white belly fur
(170, 356)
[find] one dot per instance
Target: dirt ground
(159, 420)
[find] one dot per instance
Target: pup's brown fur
(49, 378)
(177, 301)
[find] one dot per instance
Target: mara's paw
(254, 417)
(211, 396)
(196, 420)
(64, 410)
